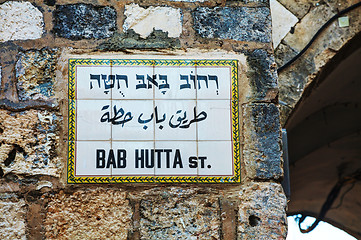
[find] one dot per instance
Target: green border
(236, 178)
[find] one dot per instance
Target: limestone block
(88, 214)
(283, 53)
(29, 143)
(282, 21)
(262, 75)
(179, 214)
(238, 23)
(144, 20)
(254, 221)
(20, 21)
(35, 73)
(12, 217)
(84, 21)
(189, 0)
(298, 7)
(308, 26)
(262, 141)
(131, 40)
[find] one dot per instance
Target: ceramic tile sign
(153, 121)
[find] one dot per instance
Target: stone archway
(320, 108)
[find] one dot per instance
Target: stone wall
(305, 18)
(36, 40)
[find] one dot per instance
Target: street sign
(153, 121)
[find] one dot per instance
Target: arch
(295, 79)
(324, 134)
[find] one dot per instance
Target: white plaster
(43, 184)
(20, 21)
(143, 20)
(282, 21)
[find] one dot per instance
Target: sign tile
(153, 120)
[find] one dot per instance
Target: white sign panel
(153, 121)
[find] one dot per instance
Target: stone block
(308, 26)
(262, 75)
(262, 141)
(144, 20)
(298, 7)
(179, 214)
(12, 217)
(283, 54)
(29, 143)
(254, 221)
(237, 23)
(35, 73)
(88, 214)
(20, 21)
(84, 21)
(189, 0)
(131, 40)
(282, 22)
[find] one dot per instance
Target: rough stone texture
(84, 21)
(12, 217)
(262, 74)
(88, 214)
(284, 53)
(144, 20)
(35, 72)
(292, 84)
(178, 213)
(308, 26)
(322, 58)
(294, 79)
(262, 141)
(238, 23)
(298, 7)
(131, 40)
(262, 211)
(29, 143)
(254, 1)
(20, 21)
(282, 21)
(189, 0)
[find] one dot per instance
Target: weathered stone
(84, 21)
(262, 74)
(88, 214)
(12, 217)
(238, 23)
(20, 21)
(308, 26)
(189, 0)
(262, 141)
(322, 58)
(144, 20)
(283, 54)
(282, 22)
(292, 82)
(131, 40)
(29, 143)
(35, 73)
(298, 7)
(179, 214)
(262, 211)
